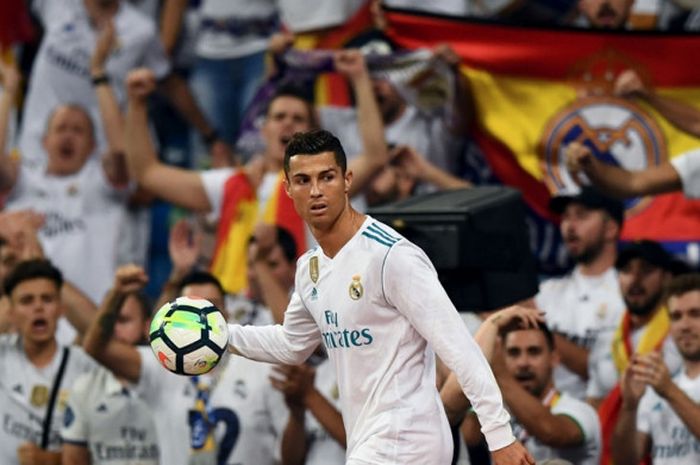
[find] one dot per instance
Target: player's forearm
(375, 154)
(100, 330)
(140, 151)
(8, 167)
(624, 437)
(573, 356)
(453, 399)
(551, 430)
(274, 295)
(682, 115)
(171, 23)
(271, 344)
(181, 97)
(327, 415)
(294, 444)
(79, 309)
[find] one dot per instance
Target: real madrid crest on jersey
(313, 269)
(356, 290)
(39, 396)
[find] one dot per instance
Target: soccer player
(374, 300)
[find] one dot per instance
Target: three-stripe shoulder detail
(379, 234)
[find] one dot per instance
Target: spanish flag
(536, 90)
(239, 216)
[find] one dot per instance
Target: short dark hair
(33, 269)
(681, 284)
(145, 303)
(315, 142)
(201, 277)
(293, 90)
(286, 242)
(548, 336)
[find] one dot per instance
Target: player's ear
(285, 181)
(348, 180)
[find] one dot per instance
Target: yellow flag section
(537, 90)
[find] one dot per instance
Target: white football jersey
(380, 310)
(250, 413)
(671, 441)
(113, 423)
(585, 417)
(24, 395)
(580, 307)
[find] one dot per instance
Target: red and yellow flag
(239, 216)
(536, 90)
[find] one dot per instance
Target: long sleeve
(412, 286)
(290, 343)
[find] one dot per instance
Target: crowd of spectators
(599, 365)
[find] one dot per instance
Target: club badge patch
(356, 290)
(313, 269)
(39, 396)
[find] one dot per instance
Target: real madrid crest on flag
(356, 290)
(313, 269)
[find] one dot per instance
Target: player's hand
(516, 316)
(140, 83)
(513, 454)
(184, 246)
(30, 454)
(351, 64)
(628, 84)
(295, 382)
(10, 78)
(105, 44)
(578, 158)
(222, 155)
(632, 388)
(280, 42)
(445, 53)
(129, 278)
(651, 369)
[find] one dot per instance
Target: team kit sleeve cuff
(499, 438)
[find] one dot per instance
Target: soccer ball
(188, 336)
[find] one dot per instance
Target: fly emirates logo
(344, 337)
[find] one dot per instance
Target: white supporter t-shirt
(24, 394)
(687, 166)
(671, 442)
(307, 15)
(250, 413)
(428, 136)
(61, 71)
(580, 307)
(107, 418)
(214, 43)
(585, 417)
(380, 311)
(84, 216)
(322, 448)
(602, 372)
